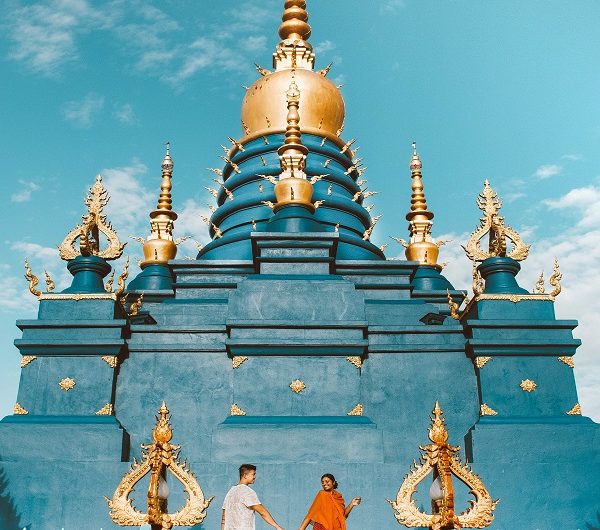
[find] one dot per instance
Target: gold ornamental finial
(439, 459)
(88, 232)
(294, 51)
(293, 186)
(421, 246)
(160, 246)
(158, 458)
(492, 223)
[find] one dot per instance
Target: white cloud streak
(547, 171)
(82, 113)
(24, 194)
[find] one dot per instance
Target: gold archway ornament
(157, 458)
(492, 223)
(440, 459)
(88, 232)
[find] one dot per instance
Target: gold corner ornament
(356, 360)
(297, 386)
(27, 359)
(157, 458)
(528, 385)
(88, 232)
(568, 360)
(486, 410)
(358, 410)
(19, 410)
(238, 360)
(481, 361)
(575, 411)
(492, 223)
(67, 384)
(236, 411)
(111, 360)
(106, 410)
(440, 458)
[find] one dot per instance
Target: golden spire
(294, 51)
(292, 186)
(421, 246)
(160, 247)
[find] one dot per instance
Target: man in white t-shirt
(241, 502)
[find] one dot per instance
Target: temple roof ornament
(421, 247)
(323, 107)
(440, 458)
(492, 223)
(160, 247)
(159, 457)
(88, 232)
(292, 186)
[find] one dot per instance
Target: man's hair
(246, 468)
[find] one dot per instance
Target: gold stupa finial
(159, 458)
(160, 246)
(421, 246)
(293, 186)
(294, 51)
(88, 232)
(492, 223)
(439, 459)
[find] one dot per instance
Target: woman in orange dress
(328, 511)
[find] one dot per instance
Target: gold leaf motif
(297, 386)
(480, 362)
(356, 411)
(356, 360)
(238, 360)
(237, 411)
(106, 410)
(575, 411)
(67, 384)
(539, 285)
(32, 279)
(26, 359)
(135, 306)
(111, 360)
(555, 280)
(19, 410)
(528, 385)
(568, 360)
(486, 410)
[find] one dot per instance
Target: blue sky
(501, 90)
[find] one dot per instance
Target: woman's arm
(354, 502)
(304, 524)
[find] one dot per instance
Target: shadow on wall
(9, 518)
(592, 527)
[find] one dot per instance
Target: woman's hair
(332, 478)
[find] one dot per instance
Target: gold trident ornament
(157, 458)
(439, 457)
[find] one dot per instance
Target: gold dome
(264, 108)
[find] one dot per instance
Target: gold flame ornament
(492, 223)
(88, 232)
(440, 459)
(157, 458)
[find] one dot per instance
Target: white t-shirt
(238, 515)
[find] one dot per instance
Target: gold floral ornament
(492, 223)
(88, 232)
(527, 385)
(440, 459)
(297, 386)
(67, 384)
(157, 458)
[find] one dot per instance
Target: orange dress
(327, 511)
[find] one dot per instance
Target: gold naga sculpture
(492, 223)
(440, 458)
(88, 232)
(157, 458)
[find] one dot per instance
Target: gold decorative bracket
(358, 410)
(481, 361)
(106, 410)
(19, 410)
(111, 360)
(440, 458)
(568, 360)
(236, 411)
(238, 360)
(575, 411)
(158, 458)
(27, 359)
(356, 360)
(486, 410)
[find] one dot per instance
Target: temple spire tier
(294, 51)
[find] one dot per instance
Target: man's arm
(223, 519)
(264, 513)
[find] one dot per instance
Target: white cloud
(391, 6)
(255, 43)
(124, 113)
(33, 250)
(44, 34)
(24, 194)
(547, 171)
(324, 46)
(583, 202)
(81, 113)
(572, 157)
(189, 223)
